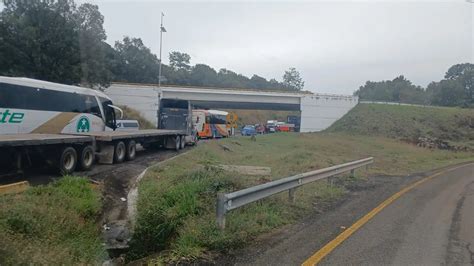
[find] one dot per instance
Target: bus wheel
(131, 150)
(177, 142)
(183, 142)
(86, 159)
(119, 152)
(67, 161)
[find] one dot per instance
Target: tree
(464, 73)
(94, 68)
(136, 62)
(40, 40)
(293, 80)
(446, 93)
(399, 89)
(258, 82)
(179, 60)
(203, 75)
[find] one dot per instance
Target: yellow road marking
(14, 187)
(329, 247)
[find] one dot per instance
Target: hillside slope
(454, 125)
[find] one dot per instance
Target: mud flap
(170, 142)
(106, 155)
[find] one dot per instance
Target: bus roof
(211, 112)
(27, 82)
(217, 112)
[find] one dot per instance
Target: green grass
(455, 125)
(176, 204)
(52, 224)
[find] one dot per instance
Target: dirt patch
(247, 170)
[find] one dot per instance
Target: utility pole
(162, 29)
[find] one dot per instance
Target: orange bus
(210, 123)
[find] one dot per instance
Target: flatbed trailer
(65, 151)
(41, 139)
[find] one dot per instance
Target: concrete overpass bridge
(318, 111)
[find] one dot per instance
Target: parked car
(248, 130)
(285, 127)
(271, 126)
(260, 129)
(127, 125)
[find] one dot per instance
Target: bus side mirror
(116, 108)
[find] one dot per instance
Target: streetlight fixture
(162, 29)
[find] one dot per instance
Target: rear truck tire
(119, 152)
(183, 142)
(131, 150)
(177, 143)
(86, 158)
(67, 161)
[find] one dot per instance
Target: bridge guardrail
(230, 201)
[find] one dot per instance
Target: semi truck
(72, 127)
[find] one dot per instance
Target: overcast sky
(336, 46)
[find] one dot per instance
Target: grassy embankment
(454, 125)
(176, 206)
(53, 224)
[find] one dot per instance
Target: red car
(260, 129)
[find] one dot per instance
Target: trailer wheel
(87, 158)
(183, 142)
(119, 152)
(67, 161)
(177, 143)
(131, 150)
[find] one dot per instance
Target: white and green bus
(34, 106)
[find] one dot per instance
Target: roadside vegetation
(176, 205)
(456, 89)
(410, 123)
(52, 224)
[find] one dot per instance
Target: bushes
(51, 224)
(165, 206)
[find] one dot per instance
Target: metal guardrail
(234, 200)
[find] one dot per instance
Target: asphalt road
(433, 224)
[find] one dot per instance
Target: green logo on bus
(83, 125)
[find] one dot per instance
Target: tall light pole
(162, 29)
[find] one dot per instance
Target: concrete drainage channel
(120, 199)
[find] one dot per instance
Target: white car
(127, 125)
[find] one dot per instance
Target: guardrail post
(221, 210)
(291, 194)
